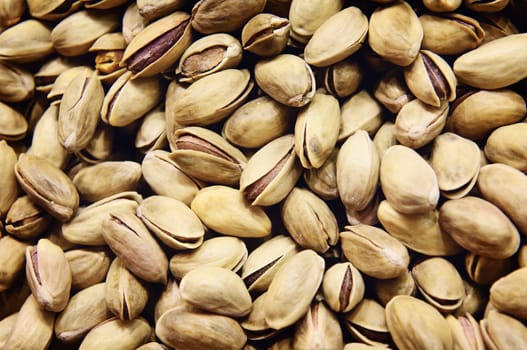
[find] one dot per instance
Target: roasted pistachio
(27, 41)
(323, 181)
(13, 125)
(88, 266)
(386, 290)
(12, 261)
(8, 180)
(465, 332)
(343, 287)
(152, 9)
(342, 79)
(507, 295)
(214, 16)
(500, 331)
(360, 111)
(117, 334)
(506, 145)
(306, 17)
(10, 12)
(319, 329)
(16, 83)
(25, 220)
(265, 34)
(484, 270)
(254, 323)
(367, 323)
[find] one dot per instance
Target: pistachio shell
(13, 125)
(392, 91)
(213, 16)
(386, 290)
(343, 287)
(88, 266)
(507, 145)
(318, 329)
(254, 323)
(360, 111)
(265, 34)
(12, 261)
(465, 332)
(8, 181)
(342, 79)
(306, 17)
(27, 41)
(16, 84)
(484, 270)
(367, 323)
(117, 334)
(500, 331)
(507, 293)
(52, 10)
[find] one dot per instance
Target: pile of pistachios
(263, 174)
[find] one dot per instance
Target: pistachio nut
(496, 25)
(63, 80)
(88, 266)
(184, 329)
(133, 22)
(508, 295)
(477, 113)
(8, 182)
(414, 324)
(85, 310)
(109, 49)
(13, 298)
(174, 223)
(323, 181)
(292, 289)
(152, 9)
(288, 79)
(282, 343)
(265, 260)
(151, 134)
(12, 261)
(271, 173)
(10, 12)
(13, 125)
(480, 227)
(265, 34)
(487, 6)
(205, 155)
(6, 325)
(257, 122)
(408, 182)
(374, 252)
(442, 5)
(450, 33)
(367, 323)
(25, 220)
(484, 270)
(343, 287)
(117, 334)
(112, 178)
(360, 111)
(306, 17)
(33, 328)
(385, 138)
(501, 332)
(395, 33)
(52, 10)
(325, 48)
(200, 104)
(86, 226)
(254, 323)
(342, 79)
(159, 45)
(225, 210)
(217, 290)
(26, 41)
(170, 298)
(153, 346)
(16, 83)
(208, 55)
(118, 107)
(357, 171)
(385, 290)
(103, 4)
(50, 70)
(318, 329)
(215, 16)
(507, 145)
(465, 332)
(366, 216)
(227, 252)
(124, 294)
(316, 130)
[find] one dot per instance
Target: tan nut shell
(508, 294)
(508, 145)
(343, 287)
(128, 334)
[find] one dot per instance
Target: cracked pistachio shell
(325, 48)
(225, 210)
(501, 332)
(309, 220)
(63, 80)
(360, 112)
(184, 329)
(480, 227)
(419, 232)
(342, 79)
(476, 114)
(484, 270)
(318, 329)
(414, 324)
(10, 12)
(217, 290)
(385, 290)
(86, 226)
(392, 91)
(456, 162)
(418, 123)
(316, 130)
(103, 4)
(75, 34)
(132, 22)
(450, 33)
(85, 310)
(505, 187)
(27, 41)
(53, 10)
(258, 122)
(367, 323)
(130, 98)
(215, 16)
(271, 173)
(25, 220)
(357, 171)
(508, 145)
(343, 287)
(125, 295)
(265, 34)
(374, 252)
(440, 283)
(287, 78)
(494, 65)
(206, 156)
(6, 325)
(384, 138)
(117, 335)
(208, 55)
(254, 323)
(174, 223)
(16, 84)
(323, 181)
(293, 288)
(88, 266)
(430, 79)
(408, 181)
(169, 298)
(151, 134)
(12, 261)
(49, 275)
(227, 252)
(508, 293)
(465, 332)
(395, 33)
(13, 125)
(8, 181)
(200, 104)
(305, 17)
(79, 111)
(486, 6)
(368, 215)
(50, 70)
(159, 45)
(152, 9)
(33, 327)
(109, 49)
(47, 186)
(165, 178)
(130, 240)
(265, 260)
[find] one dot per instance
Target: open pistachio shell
(13, 125)
(27, 41)
(265, 34)
(305, 17)
(318, 329)
(214, 16)
(360, 111)
(465, 332)
(8, 180)
(367, 323)
(500, 331)
(254, 323)
(343, 287)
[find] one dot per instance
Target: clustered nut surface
(263, 174)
